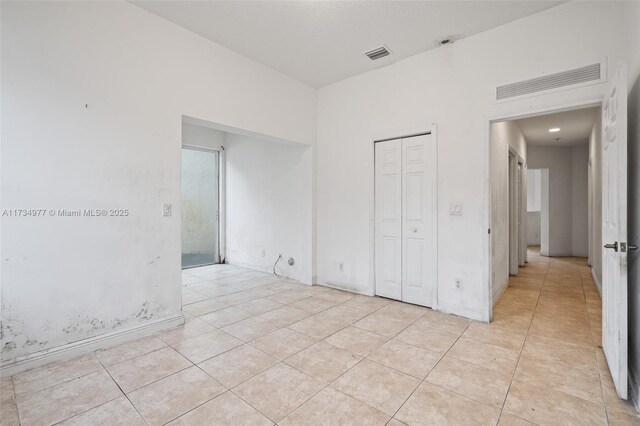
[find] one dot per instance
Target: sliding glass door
(199, 207)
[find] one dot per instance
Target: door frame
(431, 129)
(520, 112)
(516, 224)
(221, 220)
(522, 214)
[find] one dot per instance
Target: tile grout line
(279, 361)
(506, 395)
(328, 384)
(123, 394)
(353, 366)
(15, 399)
(434, 367)
(606, 409)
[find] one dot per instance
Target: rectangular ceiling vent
(582, 75)
(378, 53)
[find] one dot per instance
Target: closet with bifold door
(406, 219)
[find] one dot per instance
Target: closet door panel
(388, 219)
(419, 232)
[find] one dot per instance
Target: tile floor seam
(604, 401)
(245, 380)
(138, 356)
(54, 385)
(15, 398)
(199, 405)
(524, 342)
(353, 366)
(433, 368)
(123, 393)
(255, 408)
(156, 380)
(203, 334)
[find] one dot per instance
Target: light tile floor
(259, 350)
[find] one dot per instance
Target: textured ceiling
(321, 42)
(575, 128)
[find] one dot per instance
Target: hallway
(561, 375)
(257, 350)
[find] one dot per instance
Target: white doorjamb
(522, 235)
(487, 308)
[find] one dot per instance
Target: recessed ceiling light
(554, 129)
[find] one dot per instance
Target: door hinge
(489, 231)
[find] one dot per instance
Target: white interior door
(388, 218)
(419, 242)
(614, 229)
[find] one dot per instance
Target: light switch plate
(455, 210)
(166, 209)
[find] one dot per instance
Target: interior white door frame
(544, 212)
(431, 129)
(515, 211)
(487, 308)
(222, 224)
(522, 236)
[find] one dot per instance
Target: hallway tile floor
(258, 350)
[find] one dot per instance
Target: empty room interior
(319, 213)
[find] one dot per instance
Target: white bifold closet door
(405, 219)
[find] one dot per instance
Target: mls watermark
(65, 212)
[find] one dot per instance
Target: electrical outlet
(341, 266)
(166, 209)
(458, 282)
(264, 253)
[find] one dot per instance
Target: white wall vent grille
(586, 74)
(378, 53)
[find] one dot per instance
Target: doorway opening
(537, 219)
(578, 291)
(200, 207)
(245, 201)
(543, 194)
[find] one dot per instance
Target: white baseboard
(597, 283)
(634, 386)
(295, 276)
(85, 346)
(346, 286)
(460, 311)
(498, 295)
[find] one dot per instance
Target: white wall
(269, 205)
(534, 190)
(69, 278)
(505, 135)
(533, 228)
(580, 201)
(534, 206)
(568, 207)
(453, 87)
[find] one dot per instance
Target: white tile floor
(260, 350)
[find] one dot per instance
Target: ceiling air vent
(378, 53)
(586, 74)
